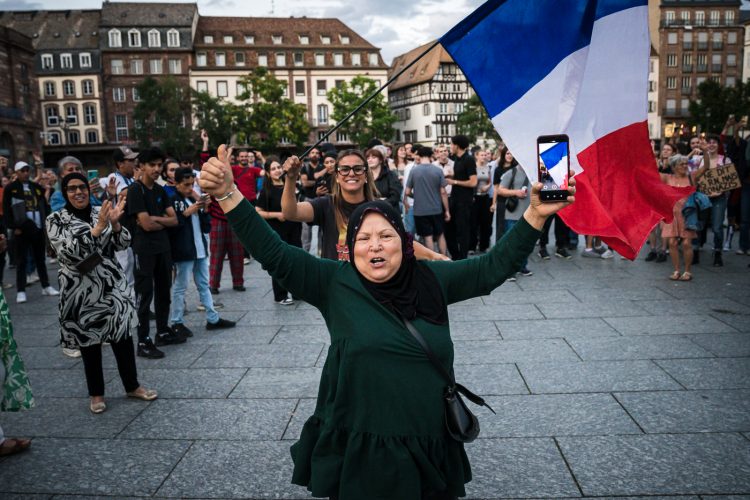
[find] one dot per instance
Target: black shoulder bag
(512, 202)
(461, 424)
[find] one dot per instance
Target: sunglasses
(77, 187)
(346, 170)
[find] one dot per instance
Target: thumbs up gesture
(216, 174)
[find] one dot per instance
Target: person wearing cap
(122, 178)
(24, 210)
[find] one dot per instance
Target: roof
(744, 16)
(422, 71)
(263, 28)
(148, 14)
(56, 29)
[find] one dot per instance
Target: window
(320, 59)
(74, 137)
(651, 106)
(338, 83)
(427, 131)
(686, 81)
(221, 58)
(299, 59)
(299, 87)
(201, 86)
(671, 82)
(731, 81)
(262, 59)
(249, 39)
(687, 59)
(118, 94)
(715, 18)
(460, 107)
(241, 89)
(443, 108)
(121, 128)
(88, 87)
(671, 105)
(700, 18)
(684, 104)
(322, 114)
(53, 138)
(89, 114)
(685, 16)
(116, 67)
(208, 39)
(84, 59)
(671, 60)
(47, 61)
(173, 38)
(728, 17)
(671, 38)
(175, 66)
(731, 59)
(669, 17)
(52, 116)
(92, 137)
(280, 59)
(338, 59)
(356, 59)
(154, 38)
(325, 40)
(304, 40)
(136, 95)
(239, 58)
(228, 39)
(200, 59)
(50, 89)
(715, 58)
(321, 86)
(136, 66)
(345, 40)
(115, 38)
(134, 38)
(69, 88)
(716, 40)
(426, 110)
(687, 40)
(699, 80)
(341, 137)
(155, 67)
(277, 39)
(222, 89)
(66, 61)
(71, 114)
(702, 41)
(373, 59)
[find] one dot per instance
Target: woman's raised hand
(292, 166)
(216, 174)
(116, 212)
(539, 212)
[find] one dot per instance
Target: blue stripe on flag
(519, 42)
(553, 155)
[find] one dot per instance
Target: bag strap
(453, 386)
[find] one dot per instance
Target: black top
(15, 212)
(389, 186)
(182, 237)
(463, 168)
(309, 172)
(333, 238)
(154, 202)
(269, 200)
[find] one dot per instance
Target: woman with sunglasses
(353, 185)
(96, 303)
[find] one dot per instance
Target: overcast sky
(396, 26)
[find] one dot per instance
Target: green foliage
(474, 122)
(218, 117)
(373, 121)
(162, 117)
(714, 104)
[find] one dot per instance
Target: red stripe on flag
(619, 195)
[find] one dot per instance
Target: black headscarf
(414, 290)
(82, 213)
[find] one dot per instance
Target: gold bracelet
(226, 196)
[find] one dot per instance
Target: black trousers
(562, 233)
(442, 495)
(125, 357)
(34, 241)
(153, 280)
(292, 234)
(458, 230)
(499, 218)
(481, 223)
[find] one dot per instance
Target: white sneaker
(286, 302)
(608, 254)
(7, 285)
(246, 261)
(50, 291)
(21, 298)
(32, 278)
(71, 353)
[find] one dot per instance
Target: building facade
(310, 55)
(654, 120)
(698, 40)
(428, 97)
(745, 20)
(139, 40)
(20, 119)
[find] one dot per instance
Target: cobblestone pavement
(607, 378)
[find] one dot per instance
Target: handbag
(511, 203)
(462, 425)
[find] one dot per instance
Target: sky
(396, 26)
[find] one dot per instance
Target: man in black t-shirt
(464, 181)
(149, 207)
(308, 180)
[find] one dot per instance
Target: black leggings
(125, 357)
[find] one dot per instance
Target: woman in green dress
(378, 429)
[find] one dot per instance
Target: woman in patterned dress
(96, 303)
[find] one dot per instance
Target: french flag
(579, 68)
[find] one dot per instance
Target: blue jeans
(508, 226)
(745, 218)
(199, 269)
(409, 222)
(718, 211)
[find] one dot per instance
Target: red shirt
(246, 179)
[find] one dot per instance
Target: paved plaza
(607, 378)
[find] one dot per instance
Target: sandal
(97, 408)
(146, 395)
(686, 276)
(675, 276)
(11, 446)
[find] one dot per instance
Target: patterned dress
(97, 306)
(16, 393)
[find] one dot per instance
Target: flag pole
(369, 98)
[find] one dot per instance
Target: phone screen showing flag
(554, 164)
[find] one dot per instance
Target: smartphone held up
(553, 157)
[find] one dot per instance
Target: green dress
(377, 431)
(16, 387)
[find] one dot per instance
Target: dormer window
(134, 38)
(304, 40)
(208, 39)
(173, 38)
(228, 39)
(345, 40)
(115, 38)
(277, 39)
(249, 39)
(48, 61)
(325, 40)
(154, 38)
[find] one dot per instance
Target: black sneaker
(239, 288)
(181, 330)
(543, 254)
(148, 350)
(214, 291)
(526, 272)
(563, 254)
(222, 323)
(651, 256)
(169, 337)
(718, 260)
(662, 257)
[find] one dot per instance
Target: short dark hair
(461, 141)
(424, 152)
(182, 173)
(151, 154)
(713, 137)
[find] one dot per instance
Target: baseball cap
(124, 153)
(20, 166)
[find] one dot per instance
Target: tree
(373, 121)
(218, 117)
(714, 104)
(474, 122)
(162, 117)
